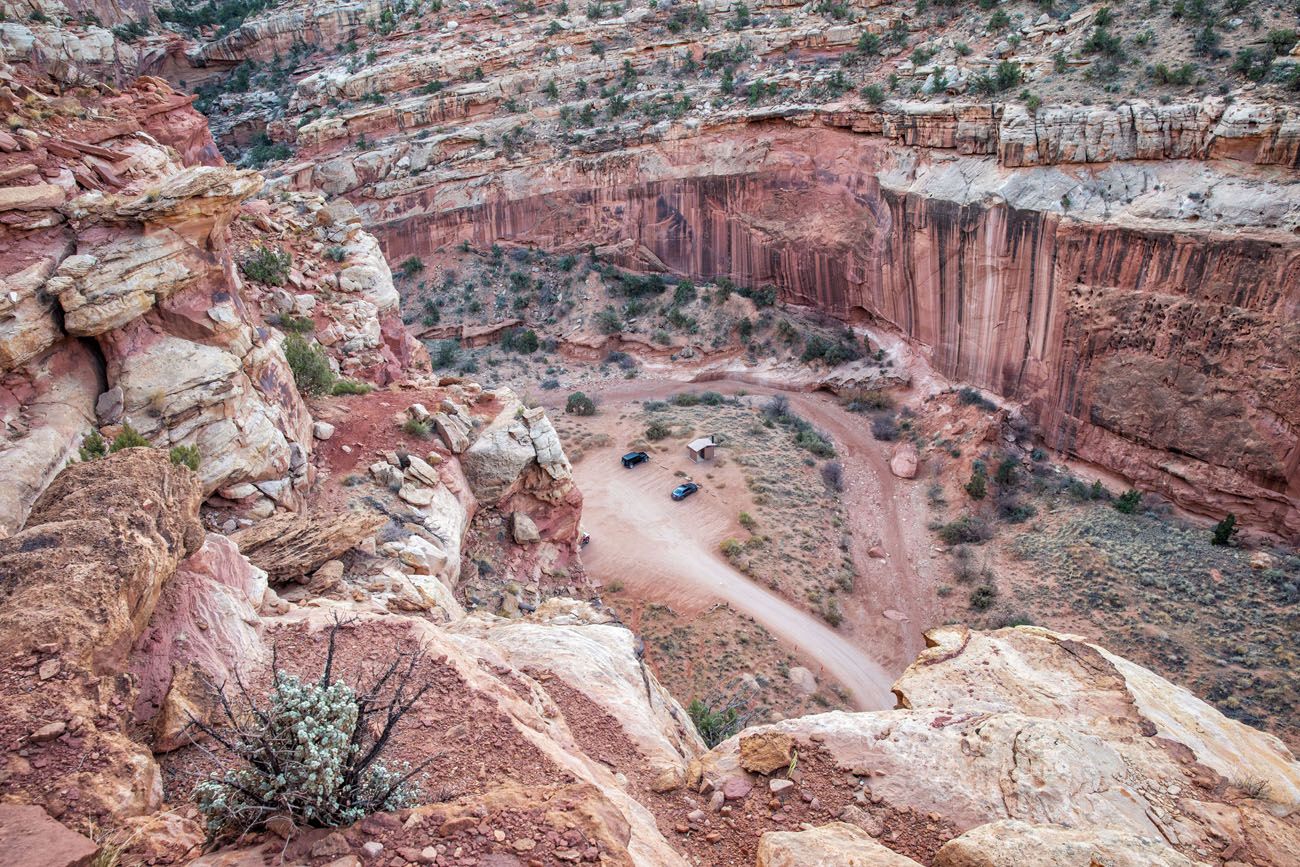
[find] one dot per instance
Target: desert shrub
(718, 719)
(657, 431)
(833, 476)
(777, 408)
(971, 397)
(1014, 510)
(312, 751)
(983, 597)
(524, 341)
(1128, 502)
(685, 398)
(609, 322)
(129, 438)
(411, 267)
(1224, 530)
(966, 530)
(1005, 475)
(731, 548)
(815, 441)
(417, 428)
(1252, 787)
(580, 404)
(185, 456)
(872, 400)
(446, 353)
(93, 446)
(336, 253)
(977, 487)
(622, 359)
(747, 521)
(267, 266)
(711, 398)
(311, 369)
(884, 427)
(349, 386)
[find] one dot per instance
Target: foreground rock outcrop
(120, 619)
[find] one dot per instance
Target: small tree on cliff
(312, 751)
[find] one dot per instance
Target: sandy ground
(667, 551)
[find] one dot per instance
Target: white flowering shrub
(312, 754)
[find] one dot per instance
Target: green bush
(657, 431)
(267, 266)
(311, 369)
(129, 438)
(421, 430)
(1128, 502)
(977, 487)
(185, 456)
(609, 322)
(715, 725)
(93, 446)
(446, 354)
(349, 386)
(580, 404)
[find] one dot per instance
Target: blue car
(681, 492)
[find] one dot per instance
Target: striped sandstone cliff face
(1145, 315)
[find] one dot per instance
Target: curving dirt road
(667, 551)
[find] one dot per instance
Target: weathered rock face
(124, 281)
(1087, 753)
(80, 586)
(203, 632)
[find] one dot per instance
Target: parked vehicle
(631, 459)
(681, 492)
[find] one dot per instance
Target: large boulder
(836, 844)
(204, 632)
(1046, 729)
(289, 547)
(1012, 844)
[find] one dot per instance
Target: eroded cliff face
(125, 301)
(1144, 314)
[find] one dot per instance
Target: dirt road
(665, 550)
(668, 551)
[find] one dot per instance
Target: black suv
(631, 459)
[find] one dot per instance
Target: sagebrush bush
(312, 753)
